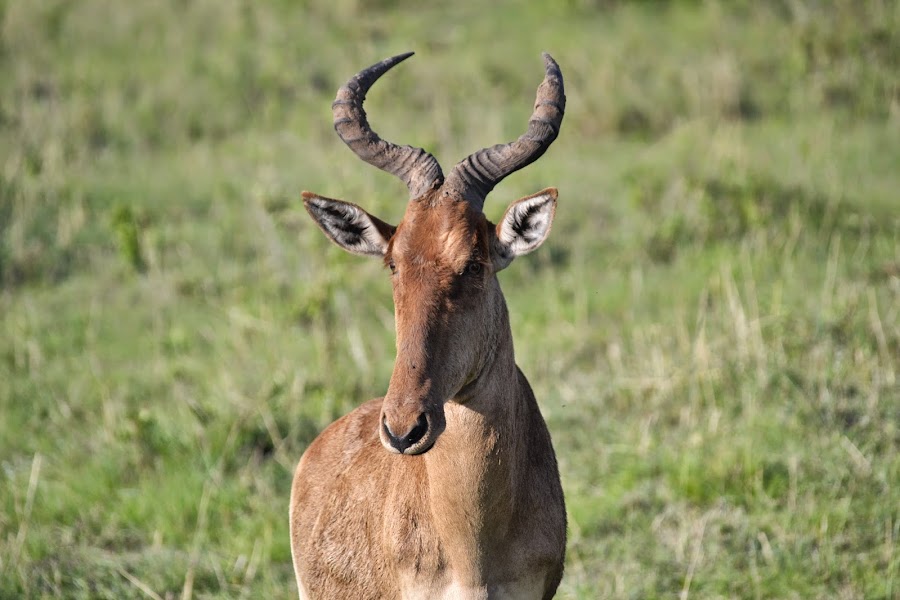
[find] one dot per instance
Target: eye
(473, 268)
(392, 266)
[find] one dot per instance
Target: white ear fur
(348, 225)
(524, 226)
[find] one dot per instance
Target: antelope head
(443, 256)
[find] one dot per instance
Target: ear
(524, 227)
(348, 225)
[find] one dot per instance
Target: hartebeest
(447, 487)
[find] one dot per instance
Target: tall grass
(713, 329)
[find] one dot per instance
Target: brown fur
(483, 507)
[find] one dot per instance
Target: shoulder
(341, 443)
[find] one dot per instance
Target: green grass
(712, 330)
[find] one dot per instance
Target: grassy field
(712, 329)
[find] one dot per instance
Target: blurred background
(712, 329)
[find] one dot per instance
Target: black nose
(402, 443)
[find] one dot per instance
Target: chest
(527, 586)
(465, 563)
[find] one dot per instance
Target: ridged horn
(476, 175)
(418, 169)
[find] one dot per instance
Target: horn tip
(388, 63)
(548, 60)
(551, 68)
(401, 57)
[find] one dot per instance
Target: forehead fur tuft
(445, 233)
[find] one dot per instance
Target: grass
(713, 328)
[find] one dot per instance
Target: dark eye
(392, 266)
(473, 268)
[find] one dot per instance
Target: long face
(449, 310)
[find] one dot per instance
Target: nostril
(418, 432)
(393, 439)
(402, 443)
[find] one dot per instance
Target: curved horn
(418, 169)
(475, 176)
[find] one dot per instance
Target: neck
(474, 468)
